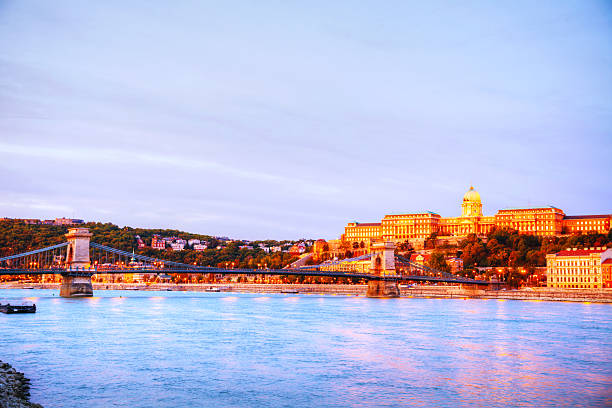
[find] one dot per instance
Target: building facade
(416, 227)
(579, 268)
(158, 243)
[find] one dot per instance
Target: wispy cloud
(118, 156)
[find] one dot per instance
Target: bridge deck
(223, 271)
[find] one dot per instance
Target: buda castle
(415, 228)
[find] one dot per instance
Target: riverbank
(14, 388)
(417, 291)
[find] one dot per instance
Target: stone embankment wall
(14, 388)
(567, 295)
(441, 291)
(242, 288)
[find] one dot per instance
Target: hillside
(17, 237)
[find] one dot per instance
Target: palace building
(416, 227)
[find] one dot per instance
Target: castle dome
(472, 195)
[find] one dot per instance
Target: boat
(212, 289)
(289, 291)
(23, 307)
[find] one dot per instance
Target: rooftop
(581, 252)
(530, 208)
(413, 213)
(578, 217)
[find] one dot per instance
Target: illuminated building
(158, 242)
(578, 268)
(606, 273)
(357, 231)
(417, 227)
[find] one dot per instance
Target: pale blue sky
(288, 119)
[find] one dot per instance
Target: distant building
(456, 264)
(140, 242)
(606, 273)
(579, 268)
(420, 259)
(67, 221)
(177, 246)
(31, 221)
(158, 242)
(200, 247)
(297, 249)
(193, 242)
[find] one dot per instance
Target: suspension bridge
(78, 259)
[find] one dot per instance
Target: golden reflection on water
(291, 298)
(230, 298)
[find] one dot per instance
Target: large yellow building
(579, 268)
(416, 227)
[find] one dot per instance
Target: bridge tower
(76, 281)
(383, 264)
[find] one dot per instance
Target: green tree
(438, 261)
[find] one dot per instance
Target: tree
(430, 242)
(437, 261)
(404, 246)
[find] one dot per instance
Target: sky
(283, 119)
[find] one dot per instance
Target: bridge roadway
(224, 271)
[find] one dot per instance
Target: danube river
(181, 349)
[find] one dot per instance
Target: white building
(577, 268)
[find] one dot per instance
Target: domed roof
(472, 195)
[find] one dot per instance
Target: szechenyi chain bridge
(78, 259)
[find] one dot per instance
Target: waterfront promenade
(417, 291)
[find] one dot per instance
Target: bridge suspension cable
(129, 255)
(51, 257)
(38, 251)
(340, 261)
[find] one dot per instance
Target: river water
(188, 349)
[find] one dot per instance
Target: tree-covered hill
(17, 237)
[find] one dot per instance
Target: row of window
(569, 279)
(574, 262)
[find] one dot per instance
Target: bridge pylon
(383, 264)
(76, 281)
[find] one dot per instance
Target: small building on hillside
(456, 264)
(140, 242)
(67, 221)
(177, 246)
(158, 243)
(420, 259)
